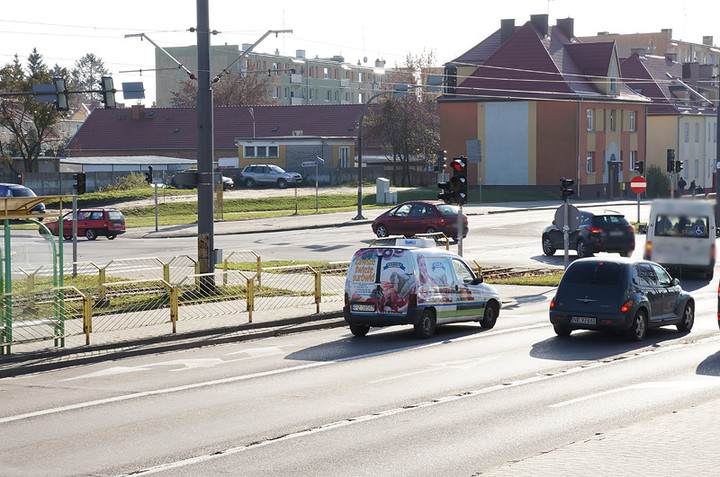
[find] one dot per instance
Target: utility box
(383, 196)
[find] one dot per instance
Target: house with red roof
(680, 117)
(531, 104)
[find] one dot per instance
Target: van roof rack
(418, 241)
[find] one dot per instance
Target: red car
(91, 223)
(419, 217)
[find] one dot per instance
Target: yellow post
(259, 270)
(87, 316)
(318, 290)
(225, 269)
(174, 307)
(250, 298)
(101, 284)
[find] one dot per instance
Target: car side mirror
(675, 282)
(477, 280)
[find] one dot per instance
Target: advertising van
(681, 235)
(411, 284)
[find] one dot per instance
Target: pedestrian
(681, 186)
(692, 188)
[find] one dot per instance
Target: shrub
(658, 183)
(134, 180)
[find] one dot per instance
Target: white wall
(506, 143)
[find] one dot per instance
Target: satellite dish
(364, 59)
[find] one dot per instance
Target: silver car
(269, 174)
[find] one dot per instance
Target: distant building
(296, 80)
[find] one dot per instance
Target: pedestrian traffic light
(678, 166)
(640, 167)
(671, 160)
(440, 161)
(458, 182)
(79, 185)
(108, 92)
(566, 189)
(149, 175)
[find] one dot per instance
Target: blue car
(18, 190)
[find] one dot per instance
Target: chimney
(567, 25)
(507, 29)
(640, 51)
(299, 53)
(671, 57)
(541, 23)
(668, 31)
(246, 46)
(708, 40)
(137, 112)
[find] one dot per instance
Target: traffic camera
(566, 189)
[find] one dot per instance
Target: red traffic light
(458, 164)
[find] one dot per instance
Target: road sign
(574, 217)
(638, 184)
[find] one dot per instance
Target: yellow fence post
(101, 284)
(225, 269)
(174, 307)
(318, 290)
(250, 298)
(259, 270)
(87, 316)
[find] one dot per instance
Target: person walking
(692, 188)
(681, 186)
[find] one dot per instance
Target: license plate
(616, 233)
(583, 320)
(362, 307)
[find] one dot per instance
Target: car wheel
(626, 253)
(249, 183)
(490, 316)
(430, 230)
(425, 328)
(67, 237)
(90, 234)
(359, 330)
(381, 231)
(282, 183)
(688, 318)
(547, 247)
(563, 331)
(582, 250)
(638, 330)
(111, 237)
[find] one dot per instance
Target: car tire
(626, 253)
(111, 237)
(638, 330)
(687, 320)
(359, 330)
(90, 234)
(425, 327)
(563, 331)
(547, 247)
(67, 237)
(582, 250)
(430, 230)
(249, 183)
(282, 183)
(490, 316)
(381, 231)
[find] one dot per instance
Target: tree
(409, 126)
(658, 183)
(86, 76)
(29, 122)
(243, 89)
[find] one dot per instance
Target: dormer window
(613, 77)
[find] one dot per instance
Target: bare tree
(409, 126)
(242, 89)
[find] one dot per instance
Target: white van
(681, 235)
(413, 284)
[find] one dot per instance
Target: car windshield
(447, 209)
(276, 169)
(690, 226)
(593, 273)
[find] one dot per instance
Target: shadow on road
(382, 341)
(710, 366)
(594, 345)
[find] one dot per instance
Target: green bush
(658, 183)
(134, 180)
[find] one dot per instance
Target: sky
(63, 32)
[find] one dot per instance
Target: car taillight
(441, 221)
(631, 229)
(627, 306)
(594, 230)
(552, 302)
(648, 251)
(347, 300)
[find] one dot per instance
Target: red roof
(176, 128)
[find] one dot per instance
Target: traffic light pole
(460, 230)
(566, 233)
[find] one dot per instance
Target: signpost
(318, 161)
(638, 185)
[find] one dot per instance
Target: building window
(326, 73)
(311, 94)
(697, 132)
(344, 156)
(287, 93)
(276, 92)
(590, 162)
(633, 119)
(687, 132)
(361, 77)
(337, 96)
(589, 119)
(327, 96)
(261, 151)
(633, 160)
(612, 119)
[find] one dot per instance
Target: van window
(681, 226)
(434, 271)
(462, 272)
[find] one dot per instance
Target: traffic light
(79, 185)
(566, 189)
(61, 104)
(108, 92)
(678, 166)
(671, 160)
(149, 175)
(640, 167)
(458, 182)
(440, 162)
(446, 194)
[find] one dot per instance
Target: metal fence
(143, 292)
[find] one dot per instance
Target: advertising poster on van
(381, 281)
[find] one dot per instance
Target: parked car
(415, 283)
(419, 217)
(621, 295)
(91, 223)
(187, 179)
(268, 174)
(18, 190)
(605, 232)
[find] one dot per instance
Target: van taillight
(412, 300)
(347, 300)
(712, 251)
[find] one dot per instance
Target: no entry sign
(638, 184)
